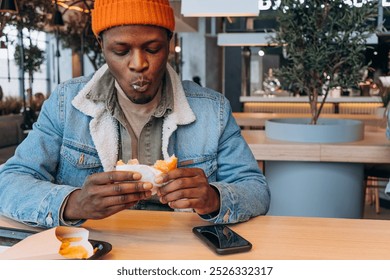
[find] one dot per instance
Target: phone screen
(222, 239)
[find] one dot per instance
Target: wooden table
(375, 148)
(259, 119)
(153, 235)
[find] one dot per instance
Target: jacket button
(49, 219)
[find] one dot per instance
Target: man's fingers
(172, 175)
(183, 203)
(127, 198)
(118, 188)
(113, 176)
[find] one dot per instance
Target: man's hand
(105, 194)
(188, 188)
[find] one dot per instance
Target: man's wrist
(217, 205)
(64, 210)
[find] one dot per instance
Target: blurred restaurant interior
(225, 45)
(273, 68)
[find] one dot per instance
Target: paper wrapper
(46, 245)
(148, 173)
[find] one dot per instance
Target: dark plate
(11, 236)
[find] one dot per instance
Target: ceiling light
(219, 8)
(244, 39)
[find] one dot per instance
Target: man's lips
(140, 85)
(139, 88)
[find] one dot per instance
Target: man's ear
(100, 41)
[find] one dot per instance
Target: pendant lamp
(220, 8)
(57, 18)
(9, 6)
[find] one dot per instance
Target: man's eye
(153, 50)
(120, 53)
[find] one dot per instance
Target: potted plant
(31, 15)
(325, 42)
(325, 45)
(77, 35)
(33, 58)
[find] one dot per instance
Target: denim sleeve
(27, 190)
(243, 188)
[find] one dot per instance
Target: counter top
(374, 148)
(259, 119)
(355, 99)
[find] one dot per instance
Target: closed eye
(153, 50)
(120, 53)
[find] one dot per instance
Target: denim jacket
(75, 137)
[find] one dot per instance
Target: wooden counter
(294, 99)
(338, 105)
(153, 235)
(259, 119)
(375, 148)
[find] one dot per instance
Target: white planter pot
(325, 131)
(317, 189)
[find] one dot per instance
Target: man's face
(137, 56)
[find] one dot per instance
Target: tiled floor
(369, 212)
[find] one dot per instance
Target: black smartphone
(222, 239)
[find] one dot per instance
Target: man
(135, 106)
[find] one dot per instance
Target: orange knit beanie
(110, 13)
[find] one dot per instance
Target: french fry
(72, 252)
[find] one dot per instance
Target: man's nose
(138, 62)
